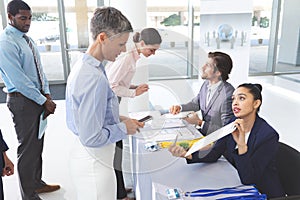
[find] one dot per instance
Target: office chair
(288, 166)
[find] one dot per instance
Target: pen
(190, 114)
(174, 142)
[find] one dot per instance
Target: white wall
(238, 15)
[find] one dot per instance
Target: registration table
(155, 171)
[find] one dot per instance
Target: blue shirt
(92, 109)
(17, 66)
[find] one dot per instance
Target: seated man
(214, 98)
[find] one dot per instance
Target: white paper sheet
(177, 116)
(42, 126)
(229, 128)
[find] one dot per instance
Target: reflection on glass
(260, 35)
(1, 28)
(171, 19)
(288, 50)
(44, 30)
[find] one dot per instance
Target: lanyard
(245, 191)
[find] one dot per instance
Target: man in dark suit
(7, 168)
(214, 98)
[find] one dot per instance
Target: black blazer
(257, 166)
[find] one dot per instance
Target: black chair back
(288, 165)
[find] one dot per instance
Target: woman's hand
(133, 125)
(178, 151)
(141, 89)
(239, 136)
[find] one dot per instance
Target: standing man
(28, 96)
(214, 98)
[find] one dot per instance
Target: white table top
(160, 167)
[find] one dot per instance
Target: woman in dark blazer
(251, 148)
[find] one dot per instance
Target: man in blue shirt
(28, 97)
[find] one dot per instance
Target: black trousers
(26, 116)
(1, 189)
(121, 191)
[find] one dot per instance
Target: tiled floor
(281, 108)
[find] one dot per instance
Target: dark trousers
(26, 115)
(121, 191)
(1, 188)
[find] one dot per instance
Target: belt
(15, 94)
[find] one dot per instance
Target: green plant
(254, 19)
(43, 17)
(172, 20)
(264, 22)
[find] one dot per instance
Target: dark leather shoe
(128, 198)
(128, 190)
(47, 188)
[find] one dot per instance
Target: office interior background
(262, 37)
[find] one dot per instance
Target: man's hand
(49, 106)
(174, 109)
(193, 119)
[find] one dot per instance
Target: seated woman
(251, 148)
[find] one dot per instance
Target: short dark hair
(109, 20)
(223, 63)
(14, 7)
(149, 35)
(255, 89)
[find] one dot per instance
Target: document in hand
(214, 136)
(42, 126)
(178, 116)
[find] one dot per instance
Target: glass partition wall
(61, 30)
(275, 38)
(178, 23)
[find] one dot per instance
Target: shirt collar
(91, 60)
(15, 31)
(135, 54)
(213, 86)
